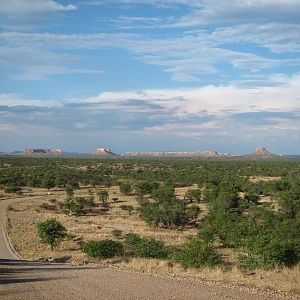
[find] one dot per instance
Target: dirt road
(5, 250)
(36, 280)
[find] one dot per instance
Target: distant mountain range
(260, 153)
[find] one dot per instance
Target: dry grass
(26, 214)
(263, 178)
(284, 279)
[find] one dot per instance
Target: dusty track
(36, 280)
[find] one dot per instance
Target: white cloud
(42, 71)
(216, 100)
(278, 37)
(222, 11)
(209, 114)
(21, 7)
(25, 14)
(16, 100)
(186, 57)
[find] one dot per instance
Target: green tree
(103, 197)
(51, 232)
(48, 183)
(69, 191)
(77, 205)
(69, 200)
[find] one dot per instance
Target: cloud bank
(196, 116)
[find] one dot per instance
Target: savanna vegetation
(260, 234)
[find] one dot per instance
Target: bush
(117, 233)
(194, 194)
(146, 187)
(12, 189)
(145, 247)
(268, 250)
(169, 211)
(102, 249)
(252, 198)
(231, 228)
(128, 208)
(196, 254)
(79, 204)
(125, 188)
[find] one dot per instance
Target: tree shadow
(20, 271)
(14, 280)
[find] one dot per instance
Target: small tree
(70, 194)
(51, 232)
(78, 206)
(69, 191)
(103, 197)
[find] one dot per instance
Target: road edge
(7, 241)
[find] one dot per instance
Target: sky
(149, 75)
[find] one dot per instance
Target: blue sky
(147, 75)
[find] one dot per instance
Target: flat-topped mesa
(200, 154)
(31, 151)
(104, 151)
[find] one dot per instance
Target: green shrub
(231, 228)
(254, 198)
(194, 194)
(117, 233)
(167, 210)
(125, 188)
(163, 193)
(102, 249)
(78, 205)
(196, 254)
(269, 250)
(145, 247)
(146, 187)
(127, 208)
